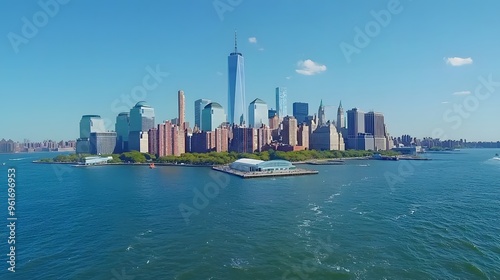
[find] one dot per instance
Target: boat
(152, 165)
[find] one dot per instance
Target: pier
(259, 174)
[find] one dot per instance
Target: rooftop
(258, 101)
(213, 105)
(249, 161)
(141, 104)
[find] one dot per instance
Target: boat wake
(18, 158)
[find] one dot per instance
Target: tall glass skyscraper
(281, 102)
(300, 111)
(257, 113)
(122, 131)
(236, 83)
(142, 119)
(88, 124)
(198, 108)
(213, 116)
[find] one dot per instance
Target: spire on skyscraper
(235, 42)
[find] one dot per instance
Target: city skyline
(445, 86)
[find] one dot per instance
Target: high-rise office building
(181, 104)
(281, 102)
(374, 125)
(300, 111)
(236, 86)
(355, 128)
(212, 116)
(340, 117)
(142, 119)
(321, 115)
(102, 143)
(303, 136)
(289, 132)
(88, 124)
(122, 131)
(355, 122)
(271, 113)
(199, 105)
(257, 113)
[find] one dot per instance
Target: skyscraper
(374, 125)
(88, 124)
(300, 111)
(122, 131)
(236, 86)
(181, 108)
(213, 116)
(340, 117)
(142, 119)
(281, 107)
(257, 113)
(355, 127)
(321, 114)
(199, 105)
(289, 132)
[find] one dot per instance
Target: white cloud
(458, 61)
(445, 102)
(309, 67)
(288, 77)
(465, 92)
(219, 73)
(252, 40)
(261, 49)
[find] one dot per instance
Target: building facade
(355, 127)
(142, 119)
(289, 132)
(300, 111)
(122, 131)
(199, 105)
(212, 116)
(257, 113)
(181, 104)
(88, 124)
(102, 143)
(236, 85)
(281, 102)
(326, 137)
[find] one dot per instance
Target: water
(438, 220)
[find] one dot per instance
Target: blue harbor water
(436, 219)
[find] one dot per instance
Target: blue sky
(418, 68)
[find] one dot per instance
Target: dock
(260, 174)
